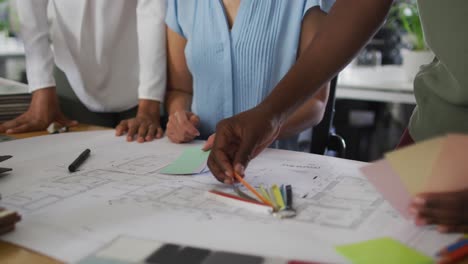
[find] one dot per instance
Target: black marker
(75, 164)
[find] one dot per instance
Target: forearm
(308, 115)
(178, 101)
(35, 34)
(345, 30)
(152, 49)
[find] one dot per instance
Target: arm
(344, 31)
(312, 111)
(35, 34)
(182, 123)
(152, 75)
(44, 108)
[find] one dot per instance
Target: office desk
(13, 254)
(388, 84)
(194, 223)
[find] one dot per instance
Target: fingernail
(421, 222)
(227, 181)
(413, 211)
(443, 229)
(418, 200)
(9, 131)
(240, 169)
(229, 174)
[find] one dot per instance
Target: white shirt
(112, 51)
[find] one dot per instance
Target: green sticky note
(383, 251)
(192, 161)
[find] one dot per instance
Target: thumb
(243, 156)
(209, 142)
(194, 119)
(64, 121)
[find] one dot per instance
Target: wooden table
(13, 254)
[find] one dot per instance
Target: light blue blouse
(234, 70)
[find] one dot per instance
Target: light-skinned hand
(182, 127)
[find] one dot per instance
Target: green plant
(3, 15)
(407, 14)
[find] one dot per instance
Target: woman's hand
(182, 127)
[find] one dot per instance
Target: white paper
(68, 216)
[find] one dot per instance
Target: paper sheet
(414, 163)
(450, 169)
(382, 176)
(192, 161)
(382, 251)
(68, 216)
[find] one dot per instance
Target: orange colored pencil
(252, 189)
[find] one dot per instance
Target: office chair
(323, 137)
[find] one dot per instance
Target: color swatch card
(383, 251)
(129, 250)
(435, 165)
(191, 161)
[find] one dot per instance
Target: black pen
(75, 164)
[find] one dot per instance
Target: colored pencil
(455, 256)
(252, 189)
(453, 247)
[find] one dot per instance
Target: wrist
(148, 107)
(45, 96)
(270, 112)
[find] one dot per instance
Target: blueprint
(118, 191)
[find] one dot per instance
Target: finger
(187, 137)
(66, 122)
(142, 132)
(132, 130)
(441, 217)
(209, 143)
(185, 124)
(448, 200)
(121, 128)
(152, 130)
(453, 228)
(243, 155)
(221, 158)
(10, 217)
(10, 124)
(217, 172)
(20, 129)
(159, 133)
(7, 229)
(194, 119)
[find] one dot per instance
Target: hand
(7, 223)
(182, 127)
(43, 110)
(209, 142)
(447, 210)
(238, 140)
(145, 125)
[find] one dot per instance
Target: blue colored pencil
(283, 193)
(453, 247)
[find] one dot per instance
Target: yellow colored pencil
(278, 197)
